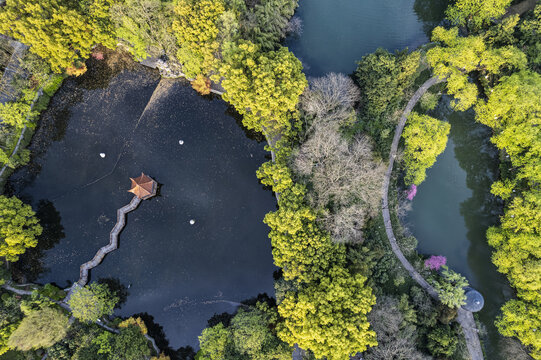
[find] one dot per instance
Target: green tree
(195, 26)
(476, 13)
(329, 317)
(522, 320)
(214, 343)
(62, 32)
(383, 77)
(19, 228)
(457, 57)
(425, 138)
(450, 288)
(253, 338)
(442, 341)
(91, 302)
(143, 25)
(263, 87)
(17, 114)
(10, 318)
(40, 329)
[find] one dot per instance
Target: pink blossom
(98, 55)
(435, 262)
(410, 193)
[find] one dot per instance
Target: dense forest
(340, 290)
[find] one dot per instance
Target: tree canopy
(40, 329)
(425, 138)
(19, 228)
(61, 32)
(91, 302)
(476, 13)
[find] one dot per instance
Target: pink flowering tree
(98, 55)
(435, 262)
(411, 192)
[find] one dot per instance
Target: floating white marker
(181, 142)
(102, 155)
(192, 221)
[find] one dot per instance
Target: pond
(180, 274)
(454, 207)
(338, 33)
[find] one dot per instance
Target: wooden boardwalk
(465, 318)
(113, 241)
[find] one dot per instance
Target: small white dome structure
(192, 221)
(102, 155)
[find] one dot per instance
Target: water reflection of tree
(479, 159)
(30, 265)
(430, 12)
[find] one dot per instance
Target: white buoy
(181, 142)
(102, 155)
(192, 221)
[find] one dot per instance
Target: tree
(442, 341)
(214, 343)
(91, 302)
(61, 32)
(424, 138)
(396, 336)
(329, 317)
(19, 228)
(195, 26)
(456, 57)
(522, 319)
(383, 77)
(40, 329)
(201, 84)
(476, 13)
(144, 27)
(17, 114)
(130, 344)
(450, 288)
(263, 87)
(253, 338)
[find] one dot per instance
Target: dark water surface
(178, 273)
(337, 33)
(454, 207)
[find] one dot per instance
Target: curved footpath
(464, 318)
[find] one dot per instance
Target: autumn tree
(195, 26)
(263, 87)
(424, 139)
(91, 302)
(40, 329)
(476, 13)
(19, 228)
(456, 57)
(60, 32)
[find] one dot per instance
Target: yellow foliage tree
(329, 317)
(195, 27)
(57, 31)
(264, 87)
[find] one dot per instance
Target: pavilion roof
(142, 186)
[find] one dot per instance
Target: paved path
(465, 318)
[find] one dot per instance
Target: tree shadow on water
(30, 265)
(117, 288)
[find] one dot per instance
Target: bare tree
(294, 26)
(396, 339)
(345, 176)
(333, 92)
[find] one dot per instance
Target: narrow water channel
(454, 207)
(180, 274)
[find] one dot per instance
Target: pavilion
(143, 187)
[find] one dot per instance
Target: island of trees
(340, 291)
